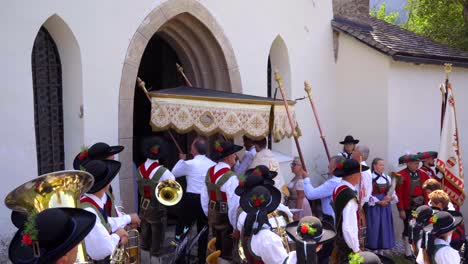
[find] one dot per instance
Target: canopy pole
(308, 90)
(141, 84)
(181, 70)
(293, 130)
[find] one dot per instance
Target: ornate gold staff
(362, 215)
(141, 84)
(293, 130)
(308, 90)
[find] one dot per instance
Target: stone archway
(203, 49)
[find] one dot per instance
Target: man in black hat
(98, 151)
(153, 213)
(440, 232)
(219, 202)
(346, 210)
(51, 236)
(348, 146)
(261, 245)
(109, 228)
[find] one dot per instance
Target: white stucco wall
(103, 30)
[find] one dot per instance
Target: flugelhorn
(168, 192)
(51, 190)
(129, 253)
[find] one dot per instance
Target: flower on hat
(258, 172)
(30, 231)
(83, 153)
(339, 165)
(155, 149)
(257, 200)
(218, 147)
(355, 258)
(433, 219)
(414, 213)
(242, 180)
(307, 229)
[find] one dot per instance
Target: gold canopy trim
(230, 118)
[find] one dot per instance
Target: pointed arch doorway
(181, 31)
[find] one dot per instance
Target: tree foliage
(381, 14)
(444, 21)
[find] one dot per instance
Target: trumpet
(168, 192)
(51, 190)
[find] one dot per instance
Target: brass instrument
(51, 190)
(129, 253)
(280, 230)
(168, 192)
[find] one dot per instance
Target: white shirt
(381, 180)
(167, 175)
(269, 247)
(366, 181)
(447, 254)
(228, 187)
(99, 243)
(281, 221)
(350, 226)
(242, 165)
(195, 171)
(344, 155)
(323, 192)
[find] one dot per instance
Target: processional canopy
(207, 111)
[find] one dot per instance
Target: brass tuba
(51, 190)
(168, 192)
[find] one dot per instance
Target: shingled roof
(399, 43)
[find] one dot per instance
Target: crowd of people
(253, 215)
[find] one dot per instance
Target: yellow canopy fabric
(208, 111)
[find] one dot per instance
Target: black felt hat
(349, 140)
(423, 213)
(53, 232)
(223, 149)
(100, 151)
(81, 158)
(348, 167)
(443, 222)
(427, 155)
(259, 175)
(407, 158)
(18, 218)
(153, 147)
(103, 171)
(309, 229)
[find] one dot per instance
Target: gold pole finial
(448, 69)
(307, 87)
(278, 78)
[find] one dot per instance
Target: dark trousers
(324, 254)
(406, 223)
(153, 229)
(191, 212)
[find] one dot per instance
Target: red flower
(339, 166)
(304, 229)
(257, 202)
(27, 240)
(241, 184)
(258, 172)
(219, 149)
(155, 150)
(83, 155)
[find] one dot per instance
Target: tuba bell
(129, 253)
(168, 192)
(51, 190)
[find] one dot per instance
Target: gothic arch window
(48, 107)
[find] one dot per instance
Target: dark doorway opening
(48, 103)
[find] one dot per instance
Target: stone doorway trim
(174, 20)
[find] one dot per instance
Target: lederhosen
(103, 213)
(218, 218)
(153, 214)
(415, 200)
(341, 197)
